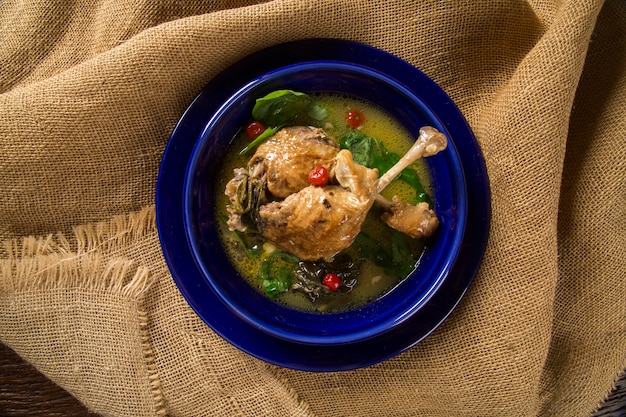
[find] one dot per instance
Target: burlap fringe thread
(90, 262)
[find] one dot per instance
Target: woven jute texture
(89, 93)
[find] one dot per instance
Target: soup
(379, 257)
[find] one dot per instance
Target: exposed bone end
(434, 141)
(415, 221)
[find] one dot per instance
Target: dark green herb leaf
(278, 107)
(276, 273)
(360, 145)
(400, 262)
(403, 259)
(373, 250)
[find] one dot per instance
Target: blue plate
(188, 274)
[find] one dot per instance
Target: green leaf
(372, 249)
(278, 107)
(360, 145)
(276, 273)
(318, 112)
(400, 262)
(403, 260)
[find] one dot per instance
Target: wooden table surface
(26, 392)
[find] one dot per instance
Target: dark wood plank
(25, 392)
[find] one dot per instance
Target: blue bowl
(374, 318)
(186, 217)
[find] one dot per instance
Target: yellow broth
(373, 281)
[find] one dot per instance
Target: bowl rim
(251, 340)
(375, 317)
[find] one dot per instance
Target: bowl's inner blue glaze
(253, 307)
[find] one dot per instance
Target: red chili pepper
(355, 118)
(318, 176)
(332, 281)
(254, 129)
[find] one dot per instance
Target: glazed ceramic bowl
(187, 221)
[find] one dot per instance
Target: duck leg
(419, 220)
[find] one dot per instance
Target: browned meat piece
(416, 221)
(319, 222)
(287, 158)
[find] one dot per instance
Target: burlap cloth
(89, 93)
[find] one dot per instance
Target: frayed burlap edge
(88, 261)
